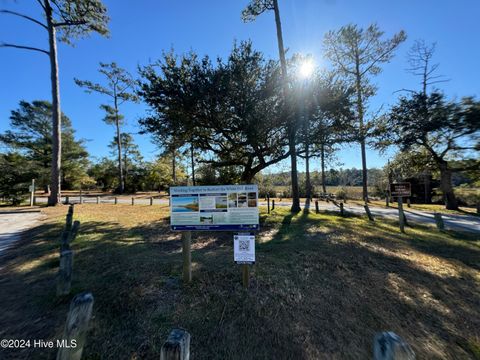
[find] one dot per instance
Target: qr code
(244, 245)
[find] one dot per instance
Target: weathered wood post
(98, 199)
(177, 346)
(76, 327)
(81, 196)
(64, 280)
(316, 207)
(32, 192)
(439, 221)
(409, 204)
(133, 200)
(116, 200)
(245, 276)
(387, 199)
(273, 204)
(67, 199)
(369, 214)
(342, 213)
(390, 346)
(187, 256)
(268, 204)
(151, 200)
(401, 215)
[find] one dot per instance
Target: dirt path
(13, 223)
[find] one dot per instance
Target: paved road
(13, 223)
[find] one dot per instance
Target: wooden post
(387, 199)
(151, 201)
(390, 346)
(401, 215)
(439, 221)
(268, 204)
(342, 213)
(409, 203)
(32, 193)
(177, 346)
(76, 327)
(133, 200)
(116, 200)
(187, 256)
(64, 280)
(98, 199)
(369, 214)
(81, 197)
(67, 199)
(316, 207)
(273, 204)
(245, 276)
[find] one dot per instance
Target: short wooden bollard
(187, 256)
(151, 201)
(316, 207)
(67, 200)
(133, 200)
(98, 199)
(439, 221)
(268, 204)
(390, 346)
(177, 346)
(116, 200)
(273, 205)
(369, 214)
(342, 213)
(409, 204)
(401, 215)
(64, 280)
(76, 327)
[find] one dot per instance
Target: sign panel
(244, 248)
(221, 207)
(400, 189)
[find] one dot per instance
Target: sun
(306, 68)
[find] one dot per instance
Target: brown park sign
(400, 189)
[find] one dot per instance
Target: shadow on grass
(322, 286)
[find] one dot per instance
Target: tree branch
(69, 23)
(25, 17)
(24, 47)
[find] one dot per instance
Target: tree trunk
(55, 196)
(291, 127)
(308, 184)
(121, 185)
(361, 129)
(446, 186)
(322, 160)
(192, 158)
(174, 171)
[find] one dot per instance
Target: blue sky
(141, 30)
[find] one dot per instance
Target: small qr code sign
(244, 248)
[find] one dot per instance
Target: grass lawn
(321, 288)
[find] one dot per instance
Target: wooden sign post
(401, 190)
(187, 256)
(32, 192)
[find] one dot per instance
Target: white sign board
(220, 207)
(244, 248)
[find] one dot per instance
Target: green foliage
(15, 176)
(78, 18)
(229, 110)
(30, 134)
(255, 8)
